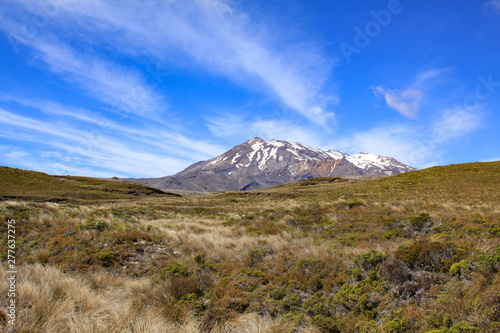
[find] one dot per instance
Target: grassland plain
(416, 252)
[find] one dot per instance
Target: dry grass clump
(51, 301)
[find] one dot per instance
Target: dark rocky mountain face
(258, 164)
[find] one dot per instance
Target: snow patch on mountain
(233, 161)
(276, 143)
(336, 155)
(366, 160)
(260, 164)
(260, 153)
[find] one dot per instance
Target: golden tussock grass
(294, 258)
(51, 301)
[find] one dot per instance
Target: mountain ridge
(258, 164)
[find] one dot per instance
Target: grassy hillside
(417, 252)
(38, 186)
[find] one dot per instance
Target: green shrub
(400, 324)
(360, 298)
(461, 327)
(277, 293)
(96, 224)
(397, 325)
(488, 264)
(106, 258)
(254, 273)
(369, 260)
(317, 304)
(174, 270)
(292, 303)
(200, 258)
(459, 268)
(367, 327)
(249, 279)
(356, 274)
(328, 324)
(255, 255)
(494, 229)
(431, 256)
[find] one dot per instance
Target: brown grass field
(417, 252)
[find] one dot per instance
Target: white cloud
(116, 86)
(406, 102)
(124, 150)
(456, 122)
(139, 131)
(493, 5)
(419, 146)
(397, 141)
(207, 34)
(210, 32)
(16, 154)
(227, 125)
(121, 88)
(285, 130)
(428, 79)
(241, 128)
(493, 159)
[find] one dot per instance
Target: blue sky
(144, 88)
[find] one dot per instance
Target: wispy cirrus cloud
(419, 145)
(395, 140)
(84, 140)
(424, 142)
(492, 159)
(457, 122)
(406, 102)
(122, 88)
(76, 145)
(242, 128)
(426, 80)
(211, 33)
(119, 87)
(493, 5)
(138, 130)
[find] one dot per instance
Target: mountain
(257, 164)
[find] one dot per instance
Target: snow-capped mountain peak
(258, 155)
(258, 163)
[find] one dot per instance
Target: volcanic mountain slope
(257, 164)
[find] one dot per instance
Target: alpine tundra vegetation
(414, 252)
